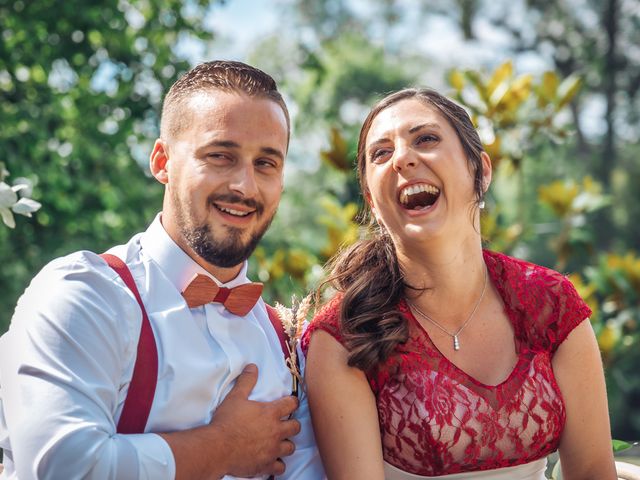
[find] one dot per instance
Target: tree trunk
(610, 24)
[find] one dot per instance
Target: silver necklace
(456, 342)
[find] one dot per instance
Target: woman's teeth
(407, 192)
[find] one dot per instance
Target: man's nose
(244, 181)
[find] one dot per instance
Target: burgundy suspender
(282, 336)
(137, 405)
(277, 326)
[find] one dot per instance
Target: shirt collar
(178, 267)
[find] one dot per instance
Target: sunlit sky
(239, 26)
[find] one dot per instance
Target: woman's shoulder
(545, 299)
(326, 318)
(330, 310)
(525, 278)
(523, 270)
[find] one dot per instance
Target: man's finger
(285, 406)
(287, 447)
(245, 381)
(278, 467)
(290, 428)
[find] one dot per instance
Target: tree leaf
(456, 79)
(338, 153)
(498, 93)
(620, 445)
(549, 85)
(501, 75)
(25, 184)
(7, 195)
(7, 217)
(521, 88)
(18, 187)
(568, 89)
(25, 206)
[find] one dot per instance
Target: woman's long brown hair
(368, 273)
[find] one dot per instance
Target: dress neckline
(522, 358)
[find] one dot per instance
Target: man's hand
(245, 438)
(256, 433)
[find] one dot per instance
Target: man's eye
(266, 163)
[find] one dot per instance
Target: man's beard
(229, 250)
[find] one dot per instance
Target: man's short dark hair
(227, 76)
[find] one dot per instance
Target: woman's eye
(427, 139)
(376, 155)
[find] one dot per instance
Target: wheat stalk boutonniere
(293, 322)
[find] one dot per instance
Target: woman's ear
(487, 171)
(159, 162)
(367, 197)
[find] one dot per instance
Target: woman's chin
(419, 233)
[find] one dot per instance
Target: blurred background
(552, 86)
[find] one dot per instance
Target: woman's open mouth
(418, 196)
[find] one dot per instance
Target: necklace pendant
(456, 343)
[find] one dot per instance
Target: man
(222, 401)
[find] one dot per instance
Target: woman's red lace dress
(437, 420)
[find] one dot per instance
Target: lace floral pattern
(437, 420)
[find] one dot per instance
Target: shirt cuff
(155, 458)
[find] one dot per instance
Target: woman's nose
(403, 158)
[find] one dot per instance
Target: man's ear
(159, 161)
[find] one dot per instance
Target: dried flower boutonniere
(293, 320)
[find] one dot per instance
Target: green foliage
(348, 69)
(539, 208)
(512, 111)
(333, 85)
(81, 86)
(516, 115)
(570, 202)
(620, 446)
(611, 286)
(518, 107)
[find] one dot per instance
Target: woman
(436, 358)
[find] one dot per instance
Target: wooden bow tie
(238, 300)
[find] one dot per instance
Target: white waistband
(527, 471)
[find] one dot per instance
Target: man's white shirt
(68, 357)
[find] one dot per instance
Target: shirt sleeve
(64, 361)
(327, 319)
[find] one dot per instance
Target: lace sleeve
(544, 304)
(571, 311)
(327, 319)
(553, 307)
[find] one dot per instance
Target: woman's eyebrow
(424, 125)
